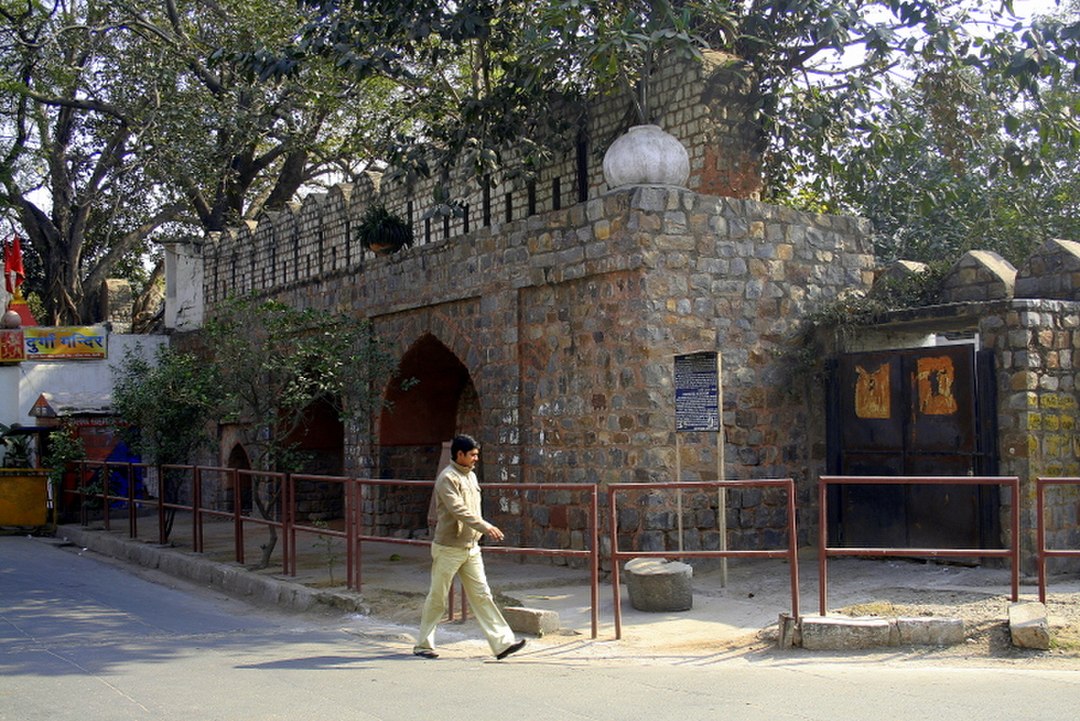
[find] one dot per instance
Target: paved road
(86, 638)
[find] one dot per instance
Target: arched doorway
(319, 439)
(238, 459)
(437, 401)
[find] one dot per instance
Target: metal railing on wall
(1042, 552)
(617, 555)
(825, 550)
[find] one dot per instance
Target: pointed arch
(438, 401)
(425, 409)
(239, 459)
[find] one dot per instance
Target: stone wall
(1035, 341)
(567, 323)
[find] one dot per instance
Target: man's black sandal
(425, 653)
(512, 648)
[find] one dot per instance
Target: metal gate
(923, 411)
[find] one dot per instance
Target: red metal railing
(279, 506)
(1043, 552)
(824, 550)
(790, 553)
(591, 554)
(289, 527)
(106, 496)
(294, 527)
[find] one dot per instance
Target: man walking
(455, 551)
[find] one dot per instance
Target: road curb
(228, 578)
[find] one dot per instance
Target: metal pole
(823, 537)
(614, 525)
(1040, 534)
(678, 491)
(594, 559)
(721, 501)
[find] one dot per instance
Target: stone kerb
(1053, 271)
(979, 275)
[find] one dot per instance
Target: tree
(937, 184)
(166, 411)
(823, 70)
(146, 121)
(952, 156)
(273, 363)
(126, 123)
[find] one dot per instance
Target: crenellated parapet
(706, 106)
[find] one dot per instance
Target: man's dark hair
(462, 444)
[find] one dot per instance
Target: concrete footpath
(733, 613)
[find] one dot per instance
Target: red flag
(13, 265)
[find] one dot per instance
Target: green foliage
(937, 177)
(853, 311)
(957, 128)
(126, 126)
(274, 362)
(824, 73)
(16, 449)
(146, 121)
(380, 229)
(841, 320)
(615, 46)
(166, 408)
(64, 448)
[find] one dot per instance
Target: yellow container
(24, 497)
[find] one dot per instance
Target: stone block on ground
(536, 621)
(1028, 625)
(929, 631)
(657, 584)
(841, 633)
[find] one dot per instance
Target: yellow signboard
(66, 343)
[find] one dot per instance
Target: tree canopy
(264, 367)
(125, 123)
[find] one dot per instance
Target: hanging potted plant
(383, 232)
